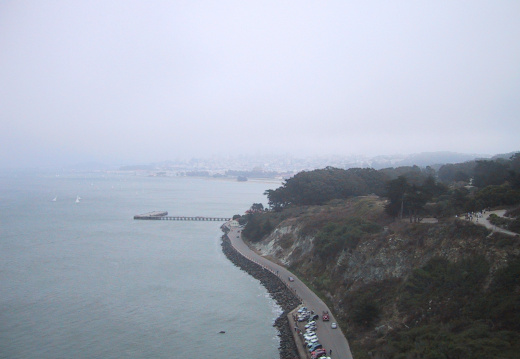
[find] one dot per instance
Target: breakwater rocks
(278, 291)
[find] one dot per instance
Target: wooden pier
(163, 216)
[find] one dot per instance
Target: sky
(147, 81)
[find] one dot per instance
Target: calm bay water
(84, 280)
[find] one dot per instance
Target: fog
(141, 81)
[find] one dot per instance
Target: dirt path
(483, 221)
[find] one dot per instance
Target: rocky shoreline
(278, 291)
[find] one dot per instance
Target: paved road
(330, 338)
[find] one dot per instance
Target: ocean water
(85, 280)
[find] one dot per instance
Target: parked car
(318, 353)
(291, 279)
(315, 347)
(333, 325)
(303, 317)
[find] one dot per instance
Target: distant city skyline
(285, 163)
(124, 82)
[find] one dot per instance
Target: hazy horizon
(137, 82)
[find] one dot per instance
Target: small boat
(55, 199)
(78, 198)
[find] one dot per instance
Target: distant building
(234, 223)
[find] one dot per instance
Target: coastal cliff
(402, 289)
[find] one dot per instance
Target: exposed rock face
(286, 244)
(390, 255)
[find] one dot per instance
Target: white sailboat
(55, 199)
(78, 198)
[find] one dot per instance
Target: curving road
(331, 339)
(486, 223)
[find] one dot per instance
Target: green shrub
(466, 229)
(258, 226)
(499, 221)
(335, 237)
(365, 313)
(441, 289)
(456, 317)
(514, 225)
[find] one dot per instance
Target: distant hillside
(275, 165)
(433, 159)
(504, 155)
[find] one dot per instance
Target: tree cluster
(320, 186)
(410, 199)
(483, 173)
(411, 191)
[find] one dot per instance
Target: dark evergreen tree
(396, 190)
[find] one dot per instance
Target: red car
(318, 353)
(325, 316)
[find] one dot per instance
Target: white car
(333, 325)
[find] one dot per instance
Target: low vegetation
(334, 237)
(507, 223)
(451, 314)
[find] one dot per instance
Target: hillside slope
(402, 290)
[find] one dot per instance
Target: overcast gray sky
(145, 81)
